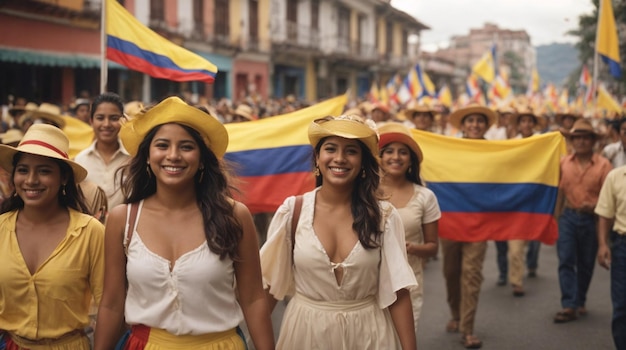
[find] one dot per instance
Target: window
(198, 16)
(221, 19)
(315, 14)
(157, 10)
(389, 38)
(292, 19)
(343, 32)
(253, 20)
(405, 42)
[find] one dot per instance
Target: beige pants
(516, 261)
(462, 269)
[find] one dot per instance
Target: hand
(410, 248)
(604, 256)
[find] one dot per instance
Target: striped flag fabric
(132, 44)
(507, 189)
(272, 156)
(486, 67)
(607, 41)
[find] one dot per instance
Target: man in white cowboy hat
(46, 113)
(582, 175)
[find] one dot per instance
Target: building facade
(310, 49)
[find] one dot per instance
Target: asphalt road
(507, 322)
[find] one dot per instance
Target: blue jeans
(618, 289)
(576, 247)
(502, 247)
(532, 256)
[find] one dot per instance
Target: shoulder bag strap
(132, 217)
(294, 222)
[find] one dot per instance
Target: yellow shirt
(55, 300)
(612, 201)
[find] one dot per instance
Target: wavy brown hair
(366, 211)
(213, 193)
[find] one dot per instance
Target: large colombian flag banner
(272, 156)
(494, 190)
(132, 44)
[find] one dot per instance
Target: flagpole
(596, 59)
(103, 56)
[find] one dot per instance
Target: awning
(52, 59)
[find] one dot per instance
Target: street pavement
(507, 322)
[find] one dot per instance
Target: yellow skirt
(146, 338)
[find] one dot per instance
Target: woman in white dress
(400, 161)
(347, 269)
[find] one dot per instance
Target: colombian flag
(135, 46)
(506, 189)
(273, 157)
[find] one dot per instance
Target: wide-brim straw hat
(416, 107)
(346, 126)
(581, 127)
(175, 110)
(30, 106)
(244, 111)
(541, 122)
(457, 116)
(396, 132)
(42, 140)
(46, 111)
(566, 112)
(11, 136)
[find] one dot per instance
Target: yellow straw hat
(474, 108)
(346, 126)
(11, 136)
(43, 140)
(396, 132)
(175, 110)
(522, 111)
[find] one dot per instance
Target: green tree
(586, 34)
(516, 78)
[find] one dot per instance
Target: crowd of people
(139, 235)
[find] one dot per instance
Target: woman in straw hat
(176, 250)
(346, 264)
(400, 161)
(51, 251)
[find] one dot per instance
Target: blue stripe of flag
(272, 161)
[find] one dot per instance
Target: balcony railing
(296, 35)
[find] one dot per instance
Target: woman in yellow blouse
(51, 250)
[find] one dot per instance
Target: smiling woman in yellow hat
(400, 158)
(182, 229)
(51, 250)
(345, 254)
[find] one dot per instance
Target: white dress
(324, 314)
(422, 208)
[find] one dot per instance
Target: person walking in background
(51, 250)
(106, 154)
(400, 158)
(582, 175)
(179, 247)
(611, 208)
(341, 251)
(616, 151)
(463, 261)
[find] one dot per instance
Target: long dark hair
(72, 198)
(365, 208)
(413, 173)
(213, 193)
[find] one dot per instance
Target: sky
(546, 21)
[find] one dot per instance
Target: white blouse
(196, 297)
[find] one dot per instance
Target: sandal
(470, 341)
(452, 326)
(565, 316)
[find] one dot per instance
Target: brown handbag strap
(132, 217)
(294, 222)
